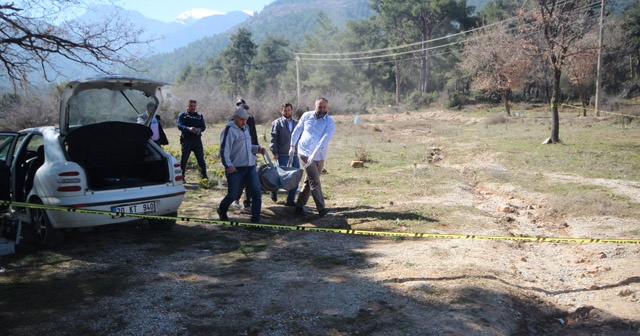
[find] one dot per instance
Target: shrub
(497, 118)
(417, 100)
(37, 110)
(362, 154)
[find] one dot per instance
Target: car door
(25, 152)
(8, 142)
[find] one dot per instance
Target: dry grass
(399, 172)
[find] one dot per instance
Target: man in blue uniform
(191, 124)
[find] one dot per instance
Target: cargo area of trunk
(117, 155)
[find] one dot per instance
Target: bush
(362, 154)
(497, 118)
(417, 100)
(451, 99)
(38, 110)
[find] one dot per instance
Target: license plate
(136, 208)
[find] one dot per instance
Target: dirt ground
(204, 279)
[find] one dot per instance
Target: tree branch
(35, 45)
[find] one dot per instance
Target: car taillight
(177, 171)
(70, 177)
(70, 188)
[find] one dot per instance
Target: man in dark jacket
(281, 130)
(191, 124)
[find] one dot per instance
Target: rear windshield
(99, 105)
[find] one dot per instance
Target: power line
(407, 45)
(365, 52)
(380, 56)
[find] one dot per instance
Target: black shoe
(247, 204)
(222, 216)
(300, 211)
(290, 203)
(323, 212)
(274, 196)
(204, 177)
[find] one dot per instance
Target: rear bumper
(166, 202)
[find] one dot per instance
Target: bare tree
(32, 42)
(496, 62)
(581, 68)
(552, 29)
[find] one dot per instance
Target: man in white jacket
(237, 155)
(311, 139)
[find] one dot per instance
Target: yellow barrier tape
(616, 113)
(314, 229)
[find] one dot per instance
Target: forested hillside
(288, 19)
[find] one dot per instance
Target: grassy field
(413, 159)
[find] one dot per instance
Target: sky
(168, 10)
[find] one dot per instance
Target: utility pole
(298, 79)
(599, 68)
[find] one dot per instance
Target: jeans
(194, 146)
(283, 160)
(248, 175)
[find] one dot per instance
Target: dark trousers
(194, 146)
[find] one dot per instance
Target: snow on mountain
(190, 26)
(196, 14)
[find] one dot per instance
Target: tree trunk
(583, 100)
(505, 100)
(423, 71)
(374, 97)
(555, 100)
(397, 64)
(425, 68)
(427, 71)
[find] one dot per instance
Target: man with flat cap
(238, 156)
(251, 124)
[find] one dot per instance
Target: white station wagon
(99, 157)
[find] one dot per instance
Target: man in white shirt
(310, 139)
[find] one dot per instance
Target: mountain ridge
(289, 19)
(168, 36)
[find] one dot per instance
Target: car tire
(163, 224)
(44, 234)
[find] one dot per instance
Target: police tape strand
(315, 229)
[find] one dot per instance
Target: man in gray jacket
(281, 130)
(237, 155)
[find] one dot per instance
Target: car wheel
(44, 235)
(163, 224)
